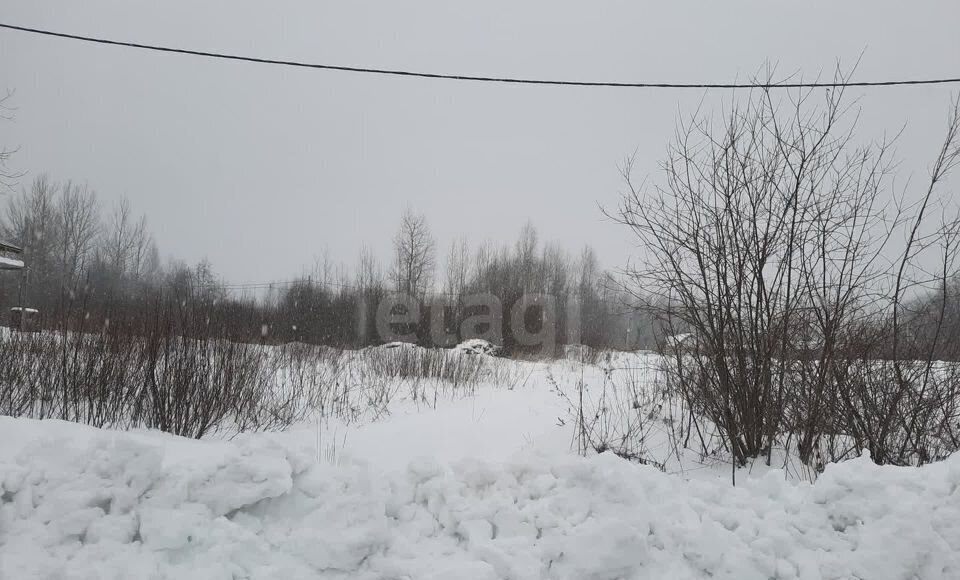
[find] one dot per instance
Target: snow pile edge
(112, 508)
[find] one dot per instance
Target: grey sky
(260, 168)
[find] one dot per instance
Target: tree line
(88, 263)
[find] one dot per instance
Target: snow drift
(135, 505)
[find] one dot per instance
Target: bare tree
(8, 177)
(585, 280)
(482, 260)
(526, 249)
(458, 268)
(554, 270)
(369, 272)
(120, 238)
(31, 218)
(414, 255)
(79, 224)
(31, 221)
(143, 252)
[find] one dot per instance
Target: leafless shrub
(619, 413)
(768, 245)
(175, 374)
(305, 380)
(443, 365)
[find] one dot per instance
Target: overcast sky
(260, 168)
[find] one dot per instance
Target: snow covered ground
(483, 486)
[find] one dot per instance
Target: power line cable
(484, 79)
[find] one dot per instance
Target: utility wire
(484, 79)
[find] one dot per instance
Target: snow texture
(82, 503)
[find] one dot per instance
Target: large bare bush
(772, 244)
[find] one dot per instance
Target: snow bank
(113, 505)
(394, 345)
(478, 346)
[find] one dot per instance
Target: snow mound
(394, 345)
(478, 346)
(115, 507)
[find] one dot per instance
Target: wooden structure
(6, 262)
(25, 319)
(22, 319)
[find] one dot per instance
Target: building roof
(8, 247)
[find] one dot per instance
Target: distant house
(7, 262)
(24, 319)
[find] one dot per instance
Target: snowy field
(484, 483)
